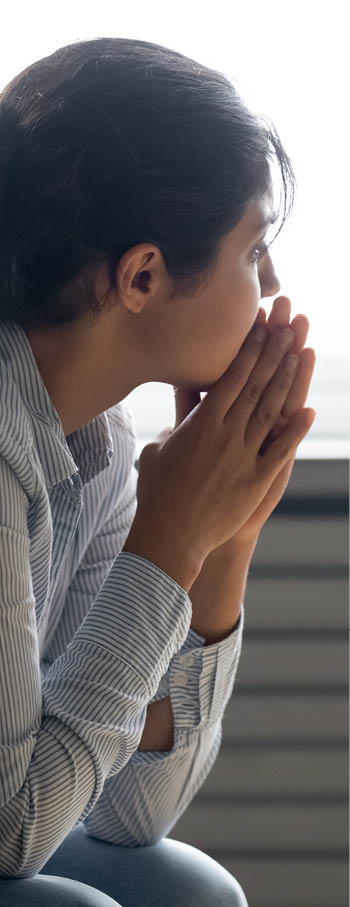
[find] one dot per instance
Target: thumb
(185, 402)
(163, 435)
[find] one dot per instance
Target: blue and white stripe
(89, 636)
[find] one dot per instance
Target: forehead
(259, 211)
(252, 222)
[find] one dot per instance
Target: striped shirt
(89, 636)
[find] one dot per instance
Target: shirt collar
(88, 450)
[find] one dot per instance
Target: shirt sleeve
(144, 801)
(60, 739)
(133, 809)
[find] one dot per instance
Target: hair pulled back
(112, 142)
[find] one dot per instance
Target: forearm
(216, 597)
(136, 808)
(158, 730)
(219, 589)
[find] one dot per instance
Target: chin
(205, 386)
(202, 386)
(196, 387)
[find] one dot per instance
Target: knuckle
(254, 345)
(147, 451)
(283, 380)
(273, 355)
(284, 452)
(238, 375)
(265, 415)
(252, 391)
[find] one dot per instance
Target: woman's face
(147, 335)
(191, 341)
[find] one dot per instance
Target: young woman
(136, 196)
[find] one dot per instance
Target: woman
(137, 193)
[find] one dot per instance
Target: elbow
(17, 859)
(17, 874)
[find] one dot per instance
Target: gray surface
(274, 809)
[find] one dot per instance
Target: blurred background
(289, 62)
(274, 809)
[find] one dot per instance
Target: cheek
(226, 333)
(217, 328)
(241, 308)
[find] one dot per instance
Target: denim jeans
(87, 872)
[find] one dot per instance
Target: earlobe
(134, 296)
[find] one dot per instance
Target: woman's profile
(136, 196)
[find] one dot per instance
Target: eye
(261, 250)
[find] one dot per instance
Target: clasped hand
(185, 401)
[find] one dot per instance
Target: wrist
(218, 592)
(238, 545)
(183, 568)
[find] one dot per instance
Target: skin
(186, 400)
(145, 335)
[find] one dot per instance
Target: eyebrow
(270, 219)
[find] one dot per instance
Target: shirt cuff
(141, 616)
(200, 681)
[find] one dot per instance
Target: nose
(269, 282)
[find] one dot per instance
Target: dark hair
(112, 142)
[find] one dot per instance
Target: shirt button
(180, 678)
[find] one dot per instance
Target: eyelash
(261, 250)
